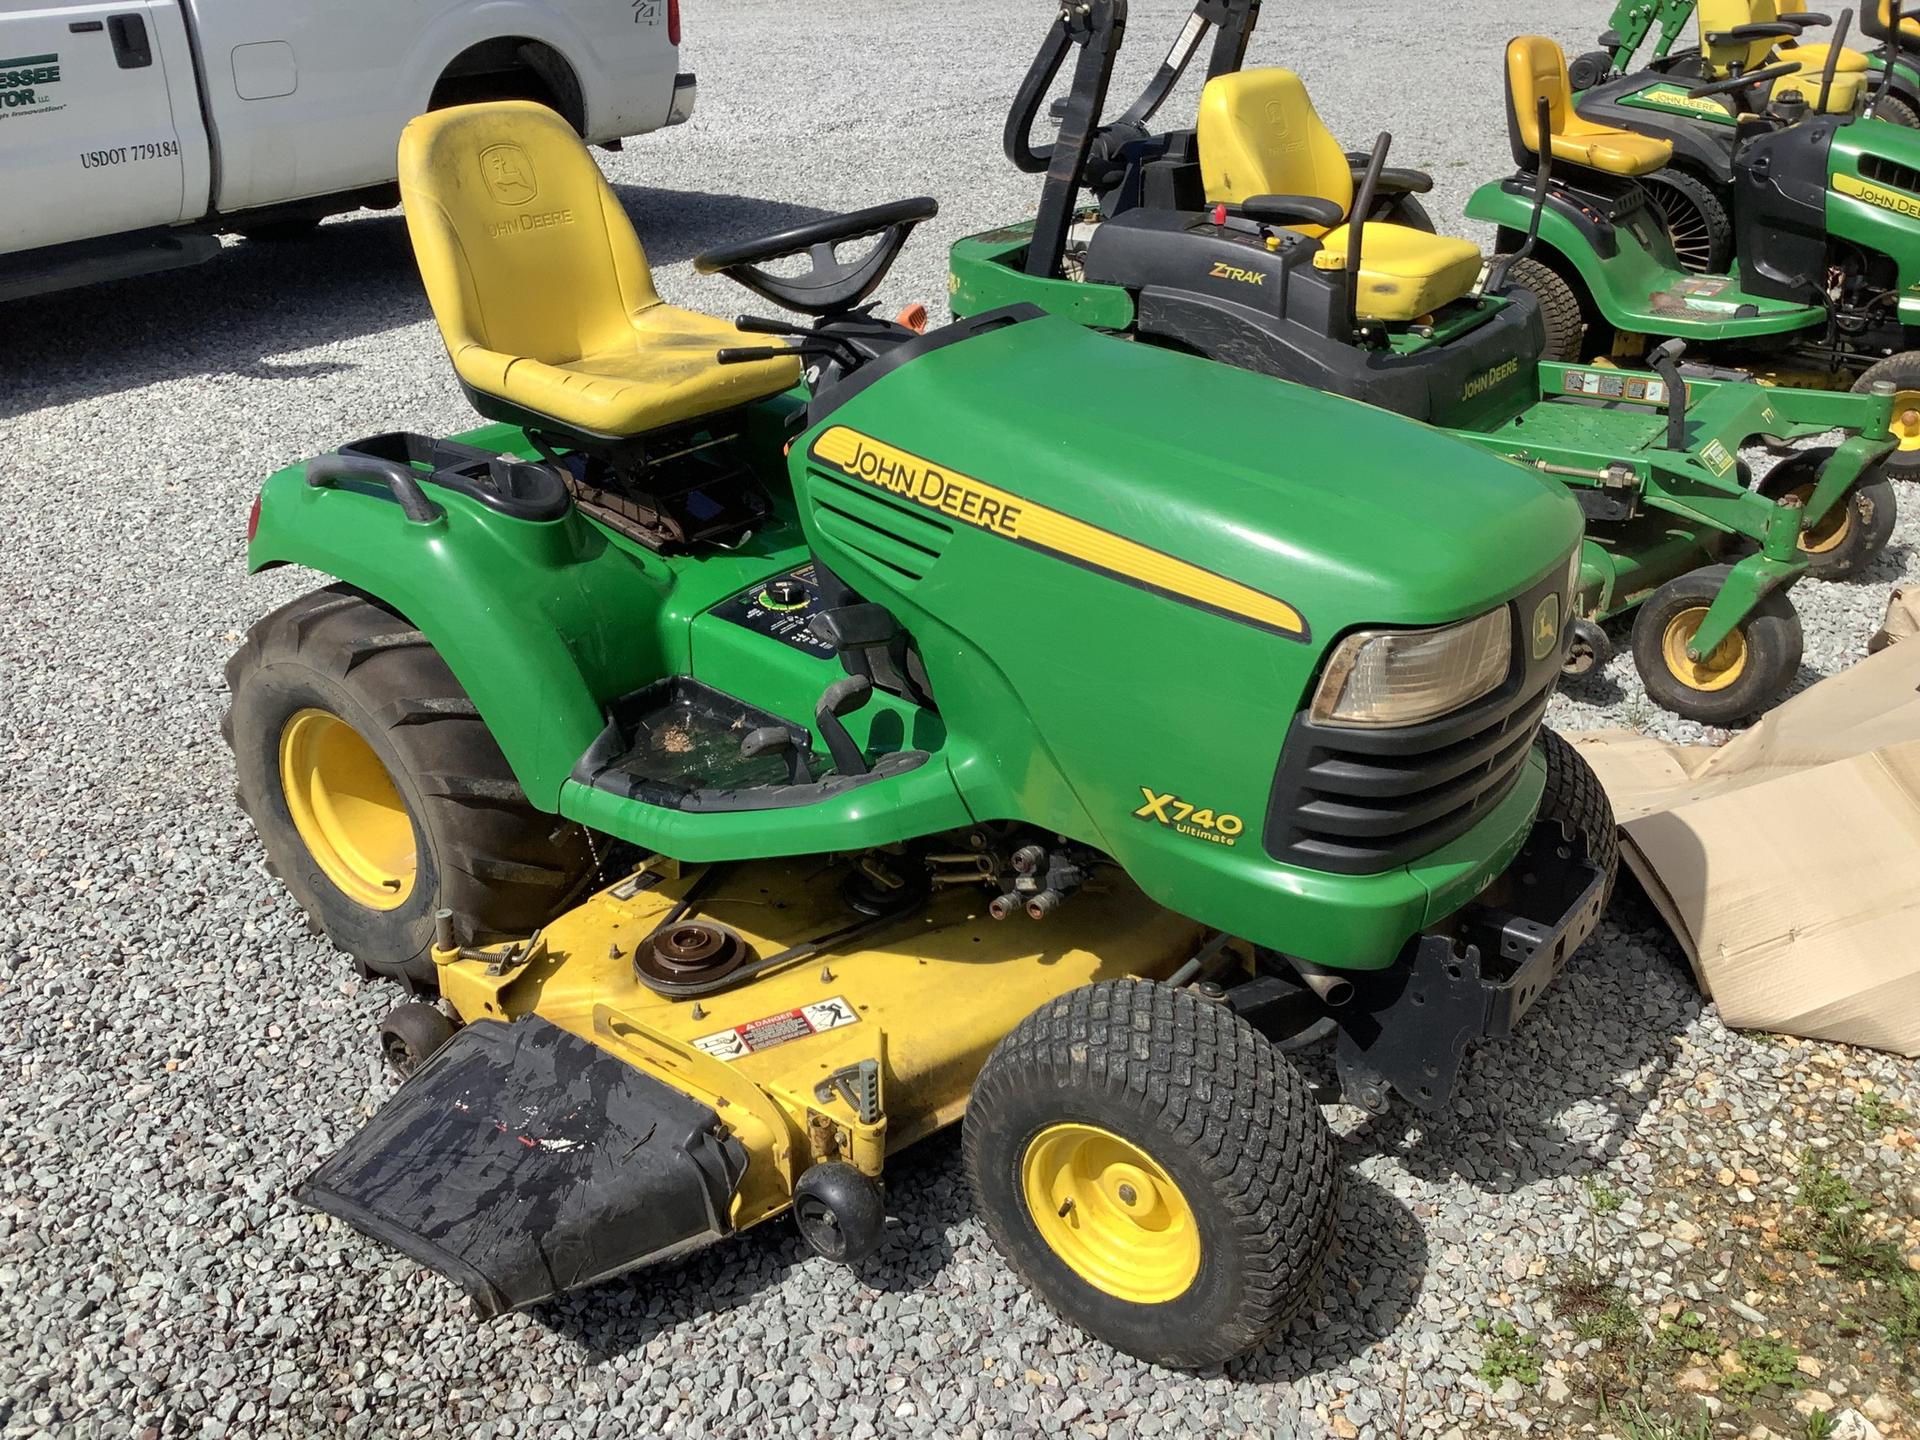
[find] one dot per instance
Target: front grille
(1890, 172)
(1356, 801)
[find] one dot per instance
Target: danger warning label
(771, 1030)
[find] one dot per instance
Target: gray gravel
(179, 1051)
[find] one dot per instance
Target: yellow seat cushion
(1258, 134)
(1404, 273)
(1537, 70)
(540, 287)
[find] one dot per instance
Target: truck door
(92, 100)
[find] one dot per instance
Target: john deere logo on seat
(1546, 627)
(508, 173)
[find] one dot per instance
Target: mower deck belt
(522, 1161)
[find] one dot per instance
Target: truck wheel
(1903, 372)
(1848, 535)
(1697, 220)
(1575, 798)
(1747, 671)
(378, 792)
(1157, 1171)
(1559, 306)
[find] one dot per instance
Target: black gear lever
(843, 697)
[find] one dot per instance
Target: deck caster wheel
(1747, 672)
(1852, 532)
(410, 1034)
(1902, 371)
(1588, 651)
(839, 1211)
(1156, 1170)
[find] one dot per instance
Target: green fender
(523, 613)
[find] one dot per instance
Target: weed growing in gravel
(1877, 1114)
(1765, 1363)
(1822, 1190)
(1508, 1354)
(1837, 1231)
(1602, 1196)
(1687, 1334)
(1598, 1308)
(1635, 1423)
(1820, 1425)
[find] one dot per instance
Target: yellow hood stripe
(987, 507)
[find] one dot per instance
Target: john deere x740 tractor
(983, 734)
(1254, 239)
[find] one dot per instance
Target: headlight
(1401, 677)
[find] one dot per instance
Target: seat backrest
(1536, 70)
(1719, 16)
(1877, 19)
(1259, 134)
(522, 246)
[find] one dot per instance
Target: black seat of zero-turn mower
(522, 1161)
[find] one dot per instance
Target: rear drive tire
(1903, 372)
(1155, 1170)
(1896, 111)
(1697, 220)
(1747, 673)
(1559, 306)
(1853, 531)
(379, 793)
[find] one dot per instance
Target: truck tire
(1744, 675)
(1576, 799)
(379, 793)
(1155, 1170)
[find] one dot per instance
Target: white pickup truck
(133, 133)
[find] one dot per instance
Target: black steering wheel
(1743, 82)
(829, 285)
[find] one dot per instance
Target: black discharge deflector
(522, 1161)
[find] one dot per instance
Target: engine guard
(522, 1161)
(1409, 1027)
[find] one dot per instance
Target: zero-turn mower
(1255, 239)
(993, 737)
(1823, 288)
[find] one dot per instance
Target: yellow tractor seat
(1537, 70)
(541, 289)
(1404, 273)
(1258, 134)
(1877, 19)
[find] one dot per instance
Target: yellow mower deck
(926, 997)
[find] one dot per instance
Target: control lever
(1664, 361)
(843, 697)
(775, 740)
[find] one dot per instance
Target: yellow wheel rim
(1906, 419)
(1719, 670)
(347, 811)
(1111, 1213)
(1832, 530)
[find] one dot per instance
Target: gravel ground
(179, 1051)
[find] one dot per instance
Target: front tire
(1697, 220)
(1745, 674)
(380, 795)
(1902, 371)
(1155, 1169)
(1852, 532)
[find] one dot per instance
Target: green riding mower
(1741, 37)
(1823, 288)
(1255, 239)
(926, 740)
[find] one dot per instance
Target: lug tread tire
(503, 867)
(1559, 306)
(1774, 643)
(1215, 1104)
(1896, 111)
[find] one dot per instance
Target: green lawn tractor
(981, 735)
(1824, 289)
(1740, 37)
(1254, 239)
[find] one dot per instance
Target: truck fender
(459, 28)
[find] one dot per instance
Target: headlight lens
(1401, 677)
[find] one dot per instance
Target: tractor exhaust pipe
(1333, 988)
